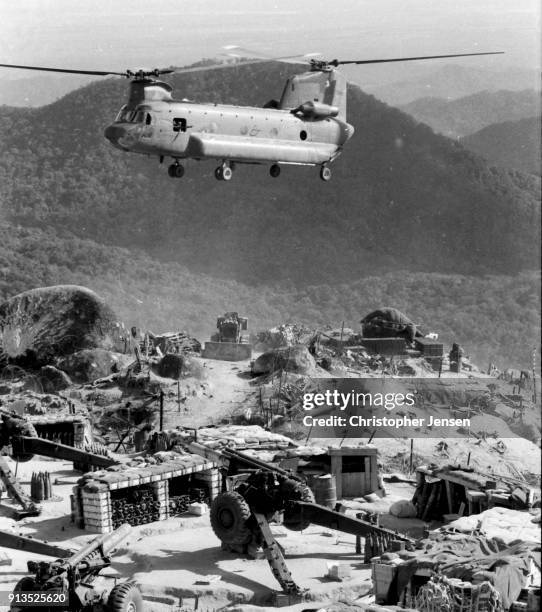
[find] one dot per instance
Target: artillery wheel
(292, 519)
(27, 429)
(229, 516)
(125, 598)
(25, 584)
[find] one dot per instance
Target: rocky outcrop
(41, 325)
(292, 359)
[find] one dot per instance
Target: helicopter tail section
(321, 89)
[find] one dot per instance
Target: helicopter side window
(148, 119)
(179, 125)
(139, 117)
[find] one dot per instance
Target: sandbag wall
(103, 500)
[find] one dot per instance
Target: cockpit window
(122, 115)
(131, 116)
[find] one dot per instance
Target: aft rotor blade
(409, 59)
(301, 58)
(65, 70)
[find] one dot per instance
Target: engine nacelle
(316, 110)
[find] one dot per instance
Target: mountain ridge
(401, 195)
(464, 116)
(510, 144)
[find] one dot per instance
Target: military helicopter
(307, 126)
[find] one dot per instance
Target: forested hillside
(495, 317)
(511, 144)
(401, 196)
(456, 118)
(410, 219)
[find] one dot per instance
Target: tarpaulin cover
(460, 556)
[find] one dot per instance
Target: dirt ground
(177, 560)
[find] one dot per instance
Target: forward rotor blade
(67, 71)
(409, 59)
(247, 62)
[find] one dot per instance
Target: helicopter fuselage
(235, 133)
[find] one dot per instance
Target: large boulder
(178, 366)
(292, 359)
(52, 379)
(41, 325)
(90, 364)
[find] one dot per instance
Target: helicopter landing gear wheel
(224, 172)
(176, 170)
(325, 173)
(274, 171)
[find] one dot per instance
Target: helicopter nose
(118, 136)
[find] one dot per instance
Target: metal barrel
(325, 491)
(106, 543)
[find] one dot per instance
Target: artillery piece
(260, 493)
(70, 581)
(19, 439)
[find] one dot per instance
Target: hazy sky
(120, 34)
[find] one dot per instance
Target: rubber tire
(234, 504)
(325, 173)
(292, 521)
(274, 171)
(26, 430)
(227, 173)
(125, 597)
(218, 174)
(179, 171)
(171, 170)
(26, 584)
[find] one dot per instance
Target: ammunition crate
(429, 347)
(385, 346)
(382, 575)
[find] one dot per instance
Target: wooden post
(449, 496)
(161, 410)
(358, 538)
(534, 376)
(411, 455)
(178, 396)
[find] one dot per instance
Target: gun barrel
(106, 543)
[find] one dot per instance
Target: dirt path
(226, 389)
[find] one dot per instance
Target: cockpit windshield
(126, 115)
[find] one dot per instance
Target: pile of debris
(458, 572)
(288, 334)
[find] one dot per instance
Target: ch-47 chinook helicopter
(308, 126)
